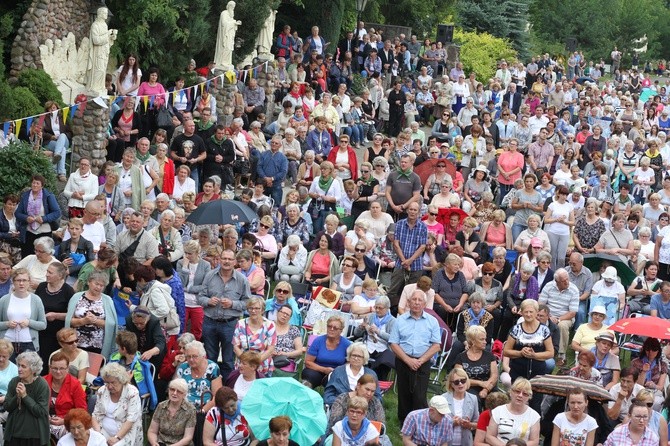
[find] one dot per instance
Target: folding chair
(631, 343)
(95, 362)
(611, 305)
(146, 400)
(440, 359)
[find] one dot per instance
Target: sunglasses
(434, 214)
(365, 171)
(360, 250)
(69, 342)
(489, 274)
(441, 165)
(458, 382)
(281, 291)
(264, 226)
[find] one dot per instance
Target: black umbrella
(222, 212)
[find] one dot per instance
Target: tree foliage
(507, 19)
(163, 33)
(480, 52)
(41, 85)
(18, 163)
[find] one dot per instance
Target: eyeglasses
(458, 382)
(281, 291)
(356, 356)
(285, 313)
(175, 390)
(58, 369)
(641, 417)
(360, 250)
(192, 356)
(334, 327)
(349, 265)
(521, 392)
(442, 166)
(254, 309)
(489, 274)
(264, 226)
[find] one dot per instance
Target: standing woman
(93, 315)
(464, 407)
(192, 270)
(27, 403)
(575, 425)
(325, 192)
(368, 191)
(55, 295)
(128, 77)
(526, 202)
(558, 220)
(126, 124)
(37, 214)
(22, 315)
(510, 168)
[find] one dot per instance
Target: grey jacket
(470, 411)
(37, 322)
(200, 272)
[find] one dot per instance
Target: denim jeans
(59, 147)
(516, 230)
(276, 192)
(195, 175)
(582, 313)
(218, 337)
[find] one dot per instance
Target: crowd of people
(525, 178)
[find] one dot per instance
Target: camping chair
(611, 305)
(631, 343)
(95, 362)
(146, 400)
(440, 359)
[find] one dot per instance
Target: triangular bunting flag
(5, 128)
(151, 101)
(17, 126)
(202, 88)
(66, 111)
(74, 109)
(41, 120)
(145, 99)
(29, 123)
(188, 94)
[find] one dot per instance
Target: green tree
(480, 52)
(507, 19)
(163, 33)
(18, 162)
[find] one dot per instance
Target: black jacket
(224, 148)
(152, 336)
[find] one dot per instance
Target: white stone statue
(101, 41)
(225, 38)
(264, 40)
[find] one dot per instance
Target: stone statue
(264, 40)
(101, 41)
(225, 38)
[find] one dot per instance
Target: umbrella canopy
(271, 397)
(222, 212)
(643, 326)
(625, 272)
(427, 168)
(581, 80)
(560, 385)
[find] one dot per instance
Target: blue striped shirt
(410, 240)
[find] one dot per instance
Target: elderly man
(582, 278)
(143, 156)
(660, 303)
(415, 338)
(541, 153)
(136, 242)
(93, 231)
(403, 187)
(432, 426)
(562, 298)
(162, 204)
(223, 296)
(272, 169)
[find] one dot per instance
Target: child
(160, 137)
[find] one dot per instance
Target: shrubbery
(41, 85)
(480, 53)
(18, 163)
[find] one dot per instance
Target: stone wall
(47, 19)
(90, 134)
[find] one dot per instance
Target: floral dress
(237, 430)
(199, 386)
(588, 235)
(259, 341)
(89, 336)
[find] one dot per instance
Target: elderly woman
(515, 419)
(8, 369)
(464, 407)
(93, 315)
(533, 230)
(68, 392)
(169, 240)
(131, 182)
(341, 379)
(36, 264)
(255, 275)
(326, 353)
(21, 314)
(182, 183)
(376, 329)
(147, 209)
(503, 268)
(528, 344)
(308, 170)
(322, 264)
(79, 423)
(474, 315)
(192, 270)
(366, 386)
(524, 286)
(585, 368)
(451, 289)
(257, 334)
(118, 409)
(355, 427)
(201, 374)
(267, 243)
(497, 232)
(492, 290)
(292, 260)
(527, 201)
(283, 296)
(77, 358)
(27, 402)
(293, 224)
(224, 424)
(242, 378)
(289, 341)
(114, 200)
(280, 429)
(37, 214)
(325, 192)
(652, 370)
(478, 362)
(173, 421)
(585, 336)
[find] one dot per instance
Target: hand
(112, 440)
(554, 319)
(21, 390)
(50, 316)
(226, 303)
(645, 367)
(218, 158)
(24, 323)
(180, 358)
(458, 308)
(12, 324)
(147, 355)
(213, 301)
(515, 310)
(68, 261)
(56, 421)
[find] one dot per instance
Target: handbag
(281, 361)
(241, 166)
(164, 117)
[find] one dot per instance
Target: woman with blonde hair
(463, 405)
(520, 420)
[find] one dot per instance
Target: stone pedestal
(90, 134)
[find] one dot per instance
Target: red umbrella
(643, 326)
(427, 168)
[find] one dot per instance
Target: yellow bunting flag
(17, 126)
(145, 99)
(66, 114)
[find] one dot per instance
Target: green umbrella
(271, 397)
(625, 272)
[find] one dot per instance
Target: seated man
(660, 303)
(432, 426)
(623, 394)
(562, 299)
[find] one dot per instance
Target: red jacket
(168, 177)
(353, 164)
(70, 396)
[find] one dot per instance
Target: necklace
(52, 293)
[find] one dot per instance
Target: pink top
(436, 228)
(148, 90)
(509, 161)
(496, 235)
(321, 264)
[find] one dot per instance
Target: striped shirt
(422, 431)
(410, 240)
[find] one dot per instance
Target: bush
(480, 53)
(358, 84)
(18, 163)
(41, 85)
(23, 103)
